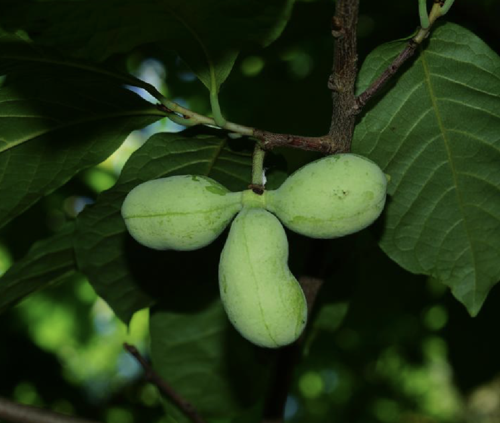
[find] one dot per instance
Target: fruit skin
(179, 212)
(261, 296)
(251, 199)
(331, 197)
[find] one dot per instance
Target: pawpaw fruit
(182, 213)
(262, 298)
(330, 197)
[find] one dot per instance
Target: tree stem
(19, 413)
(343, 77)
(392, 69)
(164, 387)
(346, 106)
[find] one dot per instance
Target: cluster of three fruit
(331, 197)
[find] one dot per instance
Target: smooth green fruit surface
(179, 212)
(251, 199)
(331, 197)
(261, 296)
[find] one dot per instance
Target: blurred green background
(394, 347)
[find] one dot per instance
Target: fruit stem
(258, 167)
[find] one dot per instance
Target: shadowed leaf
(49, 261)
(207, 34)
(226, 374)
(127, 275)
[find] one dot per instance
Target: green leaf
(437, 134)
(330, 316)
(205, 360)
(49, 261)
(127, 275)
(53, 126)
(20, 56)
(207, 34)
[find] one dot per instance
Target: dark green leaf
(127, 275)
(49, 261)
(437, 134)
(330, 316)
(54, 126)
(226, 374)
(206, 33)
(20, 56)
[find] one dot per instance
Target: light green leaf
(49, 261)
(53, 126)
(436, 132)
(127, 275)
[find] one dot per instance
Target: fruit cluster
(331, 197)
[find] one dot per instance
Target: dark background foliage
(384, 345)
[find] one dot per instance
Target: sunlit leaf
(436, 132)
(53, 126)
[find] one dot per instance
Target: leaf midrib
(446, 142)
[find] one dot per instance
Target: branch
(288, 358)
(19, 413)
(436, 11)
(270, 140)
(346, 106)
(156, 379)
(376, 85)
(343, 77)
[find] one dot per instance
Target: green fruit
(251, 199)
(331, 197)
(261, 296)
(179, 212)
